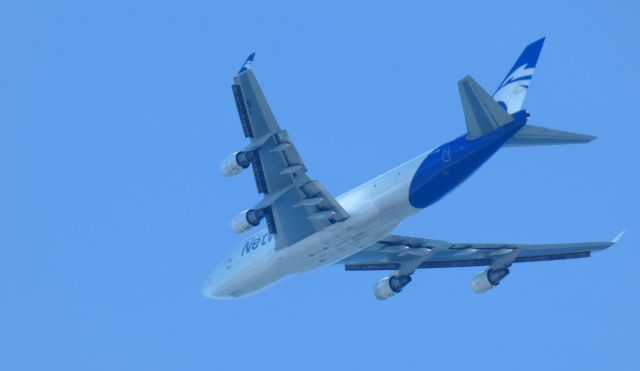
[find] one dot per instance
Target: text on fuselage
(254, 243)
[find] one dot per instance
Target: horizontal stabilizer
(482, 114)
(531, 135)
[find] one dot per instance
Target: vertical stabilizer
(513, 89)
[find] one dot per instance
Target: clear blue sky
(114, 116)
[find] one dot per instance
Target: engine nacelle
(488, 279)
(246, 220)
(389, 286)
(235, 163)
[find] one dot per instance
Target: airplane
(308, 228)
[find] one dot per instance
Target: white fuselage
(375, 208)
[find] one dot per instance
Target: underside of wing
(294, 206)
(404, 255)
(394, 251)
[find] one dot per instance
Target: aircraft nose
(215, 290)
(212, 289)
(208, 289)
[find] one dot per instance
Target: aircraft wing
(294, 205)
(410, 253)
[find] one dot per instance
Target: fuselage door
(446, 155)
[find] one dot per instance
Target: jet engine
(488, 279)
(389, 286)
(246, 220)
(235, 163)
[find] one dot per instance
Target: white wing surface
(294, 206)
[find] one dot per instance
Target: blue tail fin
(513, 89)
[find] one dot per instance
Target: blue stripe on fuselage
(452, 163)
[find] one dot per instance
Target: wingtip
(618, 237)
(247, 63)
(583, 138)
